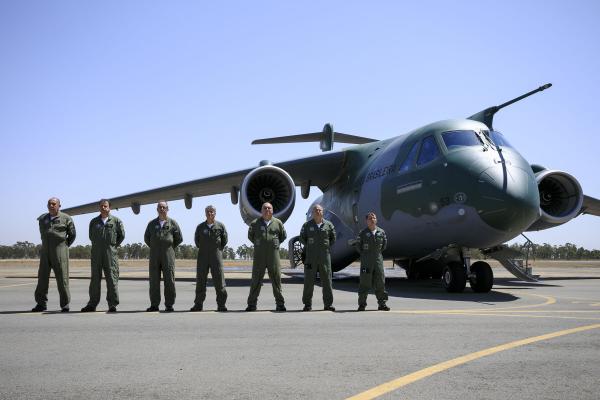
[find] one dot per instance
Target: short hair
(369, 214)
(266, 202)
(104, 201)
(210, 207)
(317, 205)
(54, 198)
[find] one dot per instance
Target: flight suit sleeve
(303, 237)
(384, 244)
(332, 236)
(251, 233)
(177, 236)
(71, 234)
(120, 232)
(91, 231)
(147, 235)
(282, 233)
(197, 236)
(224, 237)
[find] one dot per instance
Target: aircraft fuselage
(445, 183)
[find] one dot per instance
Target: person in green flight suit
(371, 242)
(162, 236)
(106, 234)
(210, 238)
(58, 233)
(266, 233)
(317, 236)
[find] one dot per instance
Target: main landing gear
(455, 275)
(455, 270)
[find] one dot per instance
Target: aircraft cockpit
(466, 138)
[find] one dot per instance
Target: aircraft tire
(483, 280)
(454, 278)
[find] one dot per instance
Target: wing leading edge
(590, 206)
(320, 170)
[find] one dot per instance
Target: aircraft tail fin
(326, 138)
(487, 116)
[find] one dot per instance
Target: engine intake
(271, 184)
(561, 198)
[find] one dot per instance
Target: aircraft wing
(321, 170)
(590, 206)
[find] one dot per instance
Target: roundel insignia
(460, 197)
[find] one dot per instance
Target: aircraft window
(499, 139)
(429, 151)
(410, 159)
(454, 139)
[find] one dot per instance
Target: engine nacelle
(561, 198)
(267, 184)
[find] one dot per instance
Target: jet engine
(267, 184)
(561, 198)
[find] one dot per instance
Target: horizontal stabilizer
(327, 137)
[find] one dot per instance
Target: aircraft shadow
(427, 290)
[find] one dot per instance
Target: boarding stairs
(513, 261)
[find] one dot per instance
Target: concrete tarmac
(521, 341)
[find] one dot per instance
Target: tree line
(130, 251)
(568, 251)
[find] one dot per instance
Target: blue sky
(109, 98)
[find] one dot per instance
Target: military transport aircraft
(438, 191)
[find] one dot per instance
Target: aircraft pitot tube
(561, 198)
(271, 184)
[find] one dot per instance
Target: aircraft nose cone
(508, 197)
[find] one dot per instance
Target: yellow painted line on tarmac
(549, 301)
(426, 372)
(18, 284)
(525, 316)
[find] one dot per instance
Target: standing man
(317, 236)
(106, 234)
(162, 236)
(266, 233)
(210, 238)
(58, 233)
(371, 242)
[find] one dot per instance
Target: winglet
(326, 138)
(487, 116)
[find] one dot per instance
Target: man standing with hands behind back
(266, 233)
(371, 242)
(162, 236)
(210, 238)
(106, 234)
(317, 236)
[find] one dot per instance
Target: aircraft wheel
(454, 278)
(483, 280)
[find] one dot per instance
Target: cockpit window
(429, 151)
(454, 139)
(499, 139)
(410, 159)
